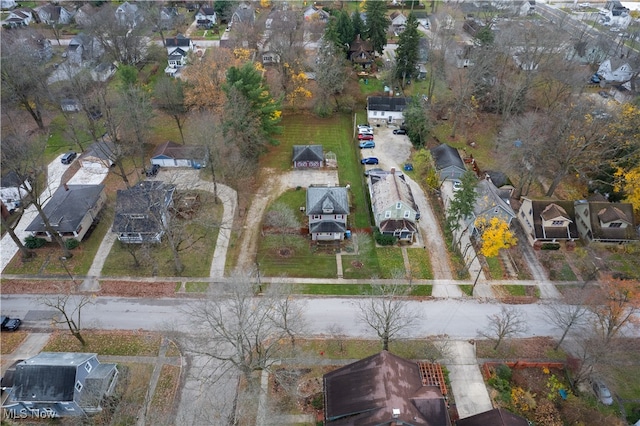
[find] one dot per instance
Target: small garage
(170, 154)
(99, 156)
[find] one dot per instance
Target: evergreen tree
(377, 24)
(358, 24)
(344, 28)
(407, 51)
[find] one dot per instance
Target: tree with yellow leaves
(629, 184)
(496, 235)
(299, 92)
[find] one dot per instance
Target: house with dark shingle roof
(178, 42)
(448, 163)
(394, 209)
(171, 154)
(386, 110)
(599, 220)
(206, 17)
(383, 389)
(142, 212)
(327, 209)
(308, 156)
(361, 52)
(244, 14)
(71, 211)
(63, 384)
(490, 203)
(548, 221)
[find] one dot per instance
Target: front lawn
(294, 256)
(127, 343)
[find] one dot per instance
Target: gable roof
(550, 210)
(244, 13)
(48, 376)
(173, 150)
(554, 211)
(321, 198)
(67, 207)
(308, 153)
(446, 156)
(495, 417)
(368, 391)
(601, 213)
(386, 103)
(149, 199)
(489, 198)
(178, 41)
(206, 11)
(11, 180)
(104, 150)
(388, 189)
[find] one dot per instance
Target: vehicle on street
(68, 157)
(152, 171)
(400, 132)
(10, 324)
(367, 144)
(602, 392)
(370, 160)
(365, 137)
(603, 94)
(408, 167)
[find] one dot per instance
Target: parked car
(457, 185)
(400, 132)
(602, 392)
(408, 167)
(603, 94)
(364, 126)
(365, 137)
(367, 144)
(369, 160)
(152, 171)
(68, 157)
(10, 324)
(365, 130)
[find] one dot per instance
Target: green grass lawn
(495, 267)
(293, 256)
(364, 263)
(420, 264)
(391, 262)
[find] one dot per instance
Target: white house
(19, 18)
(13, 190)
(385, 110)
(206, 17)
(617, 71)
(179, 41)
(398, 22)
(51, 14)
(7, 4)
(128, 14)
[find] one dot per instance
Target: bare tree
(69, 307)
(287, 314)
(331, 74)
(282, 218)
(503, 325)
(567, 313)
(169, 97)
(337, 336)
(241, 331)
(388, 312)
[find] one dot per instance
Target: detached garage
(170, 154)
(99, 156)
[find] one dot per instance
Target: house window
(557, 223)
(69, 408)
(387, 214)
(78, 386)
(407, 214)
(316, 216)
(375, 113)
(398, 206)
(88, 367)
(615, 224)
(530, 212)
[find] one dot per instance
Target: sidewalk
(31, 346)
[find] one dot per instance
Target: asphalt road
(455, 318)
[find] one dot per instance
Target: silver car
(602, 392)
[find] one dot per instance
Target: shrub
(504, 372)
(550, 246)
(384, 240)
(32, 242)
(71, 243)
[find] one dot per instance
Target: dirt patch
(533, 348)
(357, 264)
(35, 286)
(137, 289)
(285, 252)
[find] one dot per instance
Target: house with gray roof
(142, 212)
(394, 209)
(206, 17)
(308, 156)
(327, 209)
(129, 14)
(71, 211)
(84, 48)
(60, 384)
(386, 110)
(490, 203)
(385, 389)
(548, 220)
(100, 156)
(13, 189)
(448, 163)
(601, 221)
(244, 14)
(51, 14)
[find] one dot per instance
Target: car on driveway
(364, 126)
(370, 160)
(10, 324)
(68, 157)
(365, 137)
(367, 144)
(152, 171)
(602, 392)
(400, 131)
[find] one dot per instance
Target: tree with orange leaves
(615, 305)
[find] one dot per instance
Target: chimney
(393, 171)
(66, 187)
(396, 413)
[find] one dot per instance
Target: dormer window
(615, 225)
(557, 223)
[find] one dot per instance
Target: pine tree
(377, 24)
(407, 51)
(358, 24)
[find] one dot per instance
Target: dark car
(152, 171)
(367, 144)
(95, 113)
(603, 94)
(400, 132)
(365, 136)
(369, 160)
(68, 157)
(10, 324)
